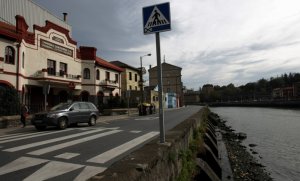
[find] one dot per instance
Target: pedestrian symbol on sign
(156, 19)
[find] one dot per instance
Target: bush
(9, 101)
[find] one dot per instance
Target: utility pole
(141, 78)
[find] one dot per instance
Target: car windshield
(60, 106)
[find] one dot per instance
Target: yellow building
(130, 83)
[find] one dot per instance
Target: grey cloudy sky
(214, 41)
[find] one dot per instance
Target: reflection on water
(276, 133)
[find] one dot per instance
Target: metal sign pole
(160, 88)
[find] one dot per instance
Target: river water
(276, 132)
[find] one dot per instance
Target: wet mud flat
(244, 165)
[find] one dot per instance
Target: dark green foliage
(260, 90)
(188, 165)
(113, 102)
(9, 101)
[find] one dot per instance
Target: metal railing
(109, 82)
(51, 72)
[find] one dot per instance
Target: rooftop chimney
(65, 16)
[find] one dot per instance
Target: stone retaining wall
(155, 161)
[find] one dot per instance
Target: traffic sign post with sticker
(157, 19)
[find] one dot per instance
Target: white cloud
(214, 41)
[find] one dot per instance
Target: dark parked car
(65, 114)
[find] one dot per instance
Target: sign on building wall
(57, 48)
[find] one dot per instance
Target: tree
(10, 102)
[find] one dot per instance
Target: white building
(101, 79)
(44, 64)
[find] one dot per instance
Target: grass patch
(188, 165)
(188, 157)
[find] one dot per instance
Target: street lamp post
(141, 77)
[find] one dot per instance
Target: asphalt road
(77, 153)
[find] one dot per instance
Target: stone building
(171, 80)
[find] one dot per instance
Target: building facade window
(135, 87)
(86, 73)
(9, 55)
(135, 77)
(117, 78)
(51, 67)
(130, 76)
(107, 76)
(97, 74)
(23, 60)
(130, 87)
(63, 69)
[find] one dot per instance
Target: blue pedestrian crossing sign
(157, 18)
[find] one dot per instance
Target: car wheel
(92, 121)
(62, 123)
(40, 128)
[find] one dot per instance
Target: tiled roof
(124, 65)
(106, 64)
(8, 30)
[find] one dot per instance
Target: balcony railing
(109, 82)
(51, 73)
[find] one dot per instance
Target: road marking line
(21, 163)
(88, 172)
(6, 137)
(67, 155)
(135, 131)
(71, 143)
(18, 148)
(32, 136)
(146, 118)
(110, 154)
(53, 169)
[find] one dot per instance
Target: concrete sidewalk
(30, 128)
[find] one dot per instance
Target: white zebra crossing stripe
(110, 154)
(10, 136)
(67, 155)
(50, 170)
(71, 143)
(133, 131)
(146, 118)
(18, 148)
(21, 163)
(53, 169)
(88, 172)
(32, 136)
